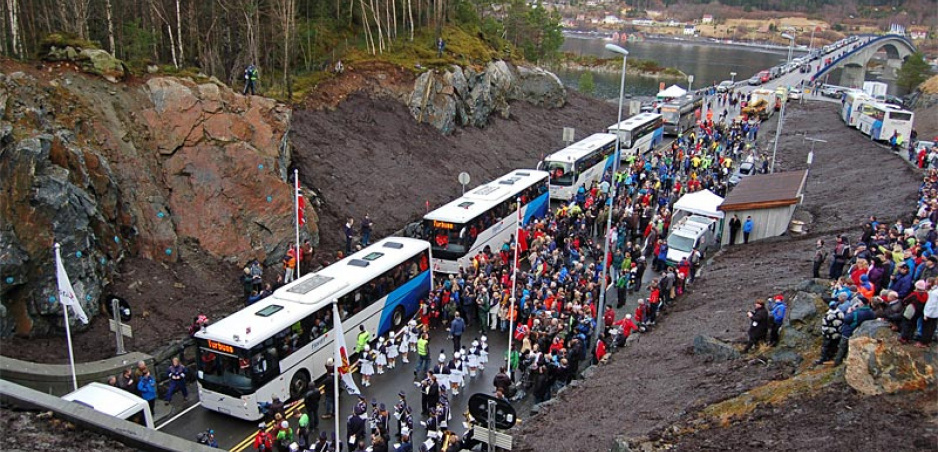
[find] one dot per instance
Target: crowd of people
(889, 273)
(553, 311)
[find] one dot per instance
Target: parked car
(832, 91)
(744, 170)
(794, 93)
(765, 76)
(754, 81)
(724, 86)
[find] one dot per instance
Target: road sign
(568, 134)
(505, 417)
(690, 79)
(502, 440)
(125, 329)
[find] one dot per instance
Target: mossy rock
(100, 62)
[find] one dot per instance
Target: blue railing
(834, 63)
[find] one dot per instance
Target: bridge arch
(854, 62)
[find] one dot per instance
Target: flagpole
(335, 390)
(512, 308)
(296, 208)
(68, 331)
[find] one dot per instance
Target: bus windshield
(448, 240)
(561, 173)
(237, 373)
(671, 115)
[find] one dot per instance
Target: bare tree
(110, 27)
(16, 44)
(182, 59)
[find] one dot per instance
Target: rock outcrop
(464, 97)
(713, 348)
(877, 364)
(159, 170)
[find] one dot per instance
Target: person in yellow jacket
(363, 339)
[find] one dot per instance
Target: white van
(113, 402)
(682, 241)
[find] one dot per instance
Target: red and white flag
(342, 366)
(300, 204)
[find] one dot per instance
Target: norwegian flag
(300, 204)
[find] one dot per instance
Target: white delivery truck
(874, 89)
(114, 402)
(685, 237)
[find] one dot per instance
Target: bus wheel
(397, 318)
(299, 385)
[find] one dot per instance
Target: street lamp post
(611, 198)
(690, 83)
(778, 133)
(791, 44)
(732, 77)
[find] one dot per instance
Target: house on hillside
(690, 30)
(642, 22)
(707, 19)
(918, 32)
(673, 23)
(611, 20)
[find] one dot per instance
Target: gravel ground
(659, 382)
(370, 156)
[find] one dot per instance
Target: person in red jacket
(609, 317)
(263, 441)
(641, 312)
(601, 348)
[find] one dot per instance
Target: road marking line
(178, 415)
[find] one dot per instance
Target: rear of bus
(671, 114)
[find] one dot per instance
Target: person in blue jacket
(747, 229)
(778, 317)
(147, 388)
(902, 281)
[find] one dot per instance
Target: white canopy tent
(702, 202)
(672, 92)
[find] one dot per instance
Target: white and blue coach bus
(639, 134)
(279, 345)
(484, 218)
(581, 163)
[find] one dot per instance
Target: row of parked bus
(280, 345)
(876, 119)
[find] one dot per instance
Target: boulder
(464, 97)
(540, 87)
(803, 311)
(878, 364)
(714, 348)
(151, 171)
(100, 62)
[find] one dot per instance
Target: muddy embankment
(660, 394)
(370, 156)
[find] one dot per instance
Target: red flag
(300, 205)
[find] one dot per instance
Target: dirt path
(658, 381)
(370, 156)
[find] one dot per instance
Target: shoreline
(616, 69)
(767, 48)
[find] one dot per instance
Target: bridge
(854, 62)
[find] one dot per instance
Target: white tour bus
(880, 121)
(279, 345)
(581, 163)
(639, 134)
(852, 107)
(484, 218)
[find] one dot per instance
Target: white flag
(342, 365)
(66, 292)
